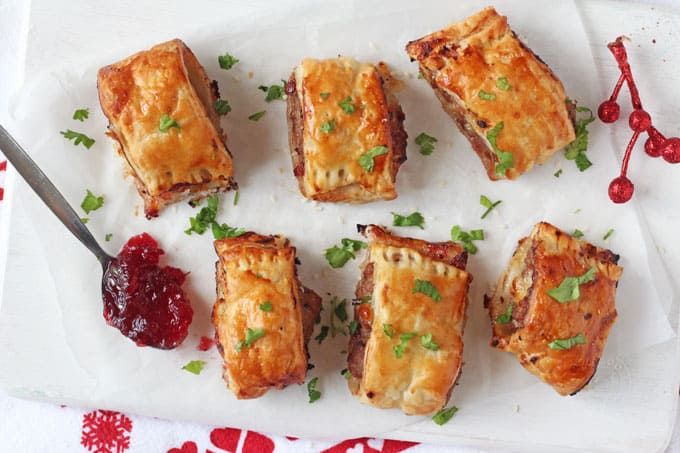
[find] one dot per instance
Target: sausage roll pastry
(160, 107)
(345, 130)
(263, 316)
(505, 100)
(407, 348)
(554, 305)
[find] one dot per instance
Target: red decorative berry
(639, 120)
(671, 150)
(621, 189)
(655, 142)
(609, 111)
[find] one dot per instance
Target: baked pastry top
(556, 336)
(503, 97)
(407, 351)
(338, 111)
(160, 107)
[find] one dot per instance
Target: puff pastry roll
(504, 99)
(263, 316)
(554, 305)
(160, 107)
(407, 349)
(345, 130)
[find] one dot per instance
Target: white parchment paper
(445, 187)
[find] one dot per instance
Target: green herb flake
(324, 95)
(194, 367)
(426, 143)
(353, 326)
(466, 238)
(404, 338)
(274, 92)
(505, 160)
(222, 107)
(347, 106)
(81, 114)
(328, 126)
(427, 343)
(84, 220)
(577, 233)
(206, 217)
(444, 415)
(427, 288)
(227, 61)
(576, 150)
(346, 374)
(166, 122)
(108, 237)
(503, 84)
(562, 344)
(608, 234)
(338, 310)
(488, 204)
(91, 202)
(506, 317)
(413, 219)
(569, 290)
(486, 95)
(558, 173)
(266, 306)
(78, 138)
(312, 391)
(322, 334)
(252, 335)
(257, 115)
(221, 231)
(337, 256)
(237, 195)
(366, 160)
(388, 330)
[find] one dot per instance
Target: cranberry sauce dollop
(143, 300)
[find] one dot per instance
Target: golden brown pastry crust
(181, 163)
(473, 55)
(540, 263)
(421, 380)
(253, 269)
(326, 164)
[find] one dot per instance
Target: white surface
(430, 231)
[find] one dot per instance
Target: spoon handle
(49, 194)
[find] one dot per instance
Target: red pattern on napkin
(106, 432)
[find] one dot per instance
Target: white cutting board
(61, 351)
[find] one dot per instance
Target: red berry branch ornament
(621, 188)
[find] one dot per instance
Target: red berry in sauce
(143, 300)
(621, 189)
(205, 343)
(671, 150)
(609, 111)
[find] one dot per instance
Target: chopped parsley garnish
(266, 306)
(274, 92)
(426, 143)
(503, 84)
(427, 343)
(166, 122)
(322, 334)
(347, 106)
(569, 289)
(608, 234)
(506, 317)
(81, 114)
(338, 310)
(404, 338)
(353, 326)
(577, 233)
(562, 344)
(237, 195)
(78, 138)
(206, 217)
(486, 95)
(252, 335)
(444, 415)
(257, 115)
(366, 159)
(227, 61)
(338, 256)
(346, 373)
(427, 288)
(225, 231)
(84, 220)
(324, 95)
(466, 238)
(312, 391)
(488, 204)
(557, 173)
(505, 160)
(195, 366)
(576, 150)
(328, 126)
(388, 330)
(222, 107)
(108, 237)
(91, 202)
(413, 219)
(420, 75)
